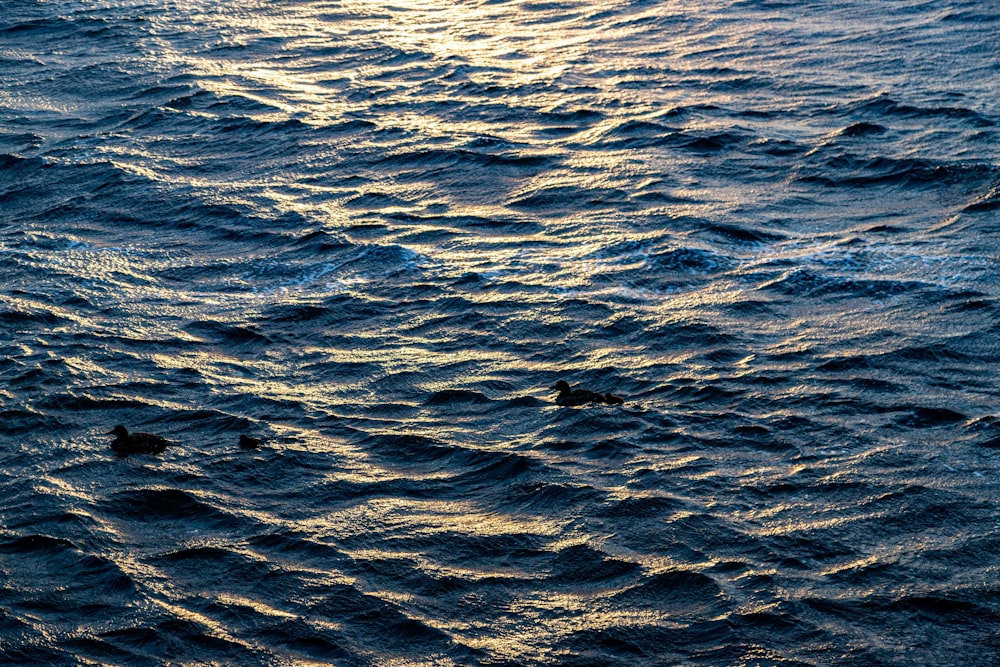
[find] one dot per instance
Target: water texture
(375, 234)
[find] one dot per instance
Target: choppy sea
(374, 234)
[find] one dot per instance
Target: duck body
(569, 397)
(246, 442)
(126, 443)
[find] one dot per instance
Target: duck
(246, 442)
(574, 397)
(136, 443)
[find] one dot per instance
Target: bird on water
(246, 442)
(136, 443)
(573, 397)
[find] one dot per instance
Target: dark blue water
(375, 234)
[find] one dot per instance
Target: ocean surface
(375, 234)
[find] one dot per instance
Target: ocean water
(375, 235)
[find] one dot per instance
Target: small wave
(674, 590)
(17, 422)
(30, 315)
(853, 171)
(634, 134)
(545, 496)
(457, 396)
(928, 417)
(16, 143)
(690, 260)
(253, 126)
(319, 242)
(937, 352)
(228, 333)
(441, 158)
(37, 544)
(802, 281)
(514, 225)
(743, 234)
(375, 200)
(885, 106)
(650, 134)
(558, 199)
(385, 260)
(642, 507)
(946, 607)
(581, 564)
(495, 468)
(990, 201)
(61, 401)
(863, 130)
(168, 504)
(71, 27)
(634, 643)
(10, 163)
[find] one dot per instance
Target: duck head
(562, 386)
(119, 431)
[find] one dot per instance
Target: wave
(885, 106)
(853, 171)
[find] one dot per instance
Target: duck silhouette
(246, 442)
(126, 443)
(573, 397)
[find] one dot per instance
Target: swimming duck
(136, 443)
(573, 397)
(246, 442)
